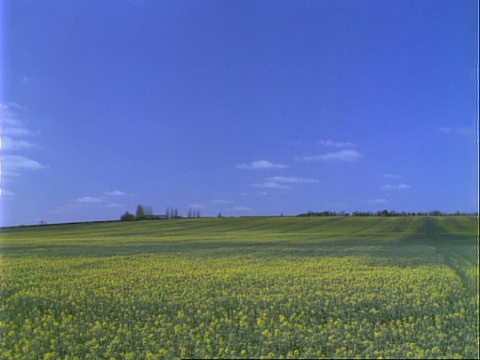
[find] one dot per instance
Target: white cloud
(12, 125)
(26, 79)
(240, 209)
(331, 143)
(262, 164)
(7, 143)
(89, 203)
(395, 187)
(291, 179)
(89, 200)
(6, 193)
(12, 165)
(16, 131)
(271, 185)
(12, 104)
(115, 193)
(197, 206)
(391, 176)
(13, 131)
(278, 182)
(342, 155)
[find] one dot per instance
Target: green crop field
(285, 287)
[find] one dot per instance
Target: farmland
(400, 287)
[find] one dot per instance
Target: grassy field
(242, 288)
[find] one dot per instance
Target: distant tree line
(142, 213)
(172, 213)
(383, 213)
(146, 213)
(193, 213)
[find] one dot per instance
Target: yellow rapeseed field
(241, 288)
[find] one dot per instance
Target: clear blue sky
(238, 107)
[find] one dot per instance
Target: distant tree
(175, 214)
(383, 213)
(140, 213)
(190, 213)
(148, 211)
(219, 215)
(127, 217)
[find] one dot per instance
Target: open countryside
(258, 287)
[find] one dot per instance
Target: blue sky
(238, 107)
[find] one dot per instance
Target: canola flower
(328, 288)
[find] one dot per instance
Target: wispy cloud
(395, 187)
(13, 142)
(197, 206)
(7, 143)
(13, 165)
(115, 193)
(271, 185)
(279, 182)
(445, 130)
(79, 210)
(391, 176)
(99, 203)
(16, 131)
(27, 80)
(262, 164)
(291, 179)
(342, 155)
(460, 131)
(12, 125)
(89, 200)
(331, 143)
(6, 193)
(13, 105)
(240, 209)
